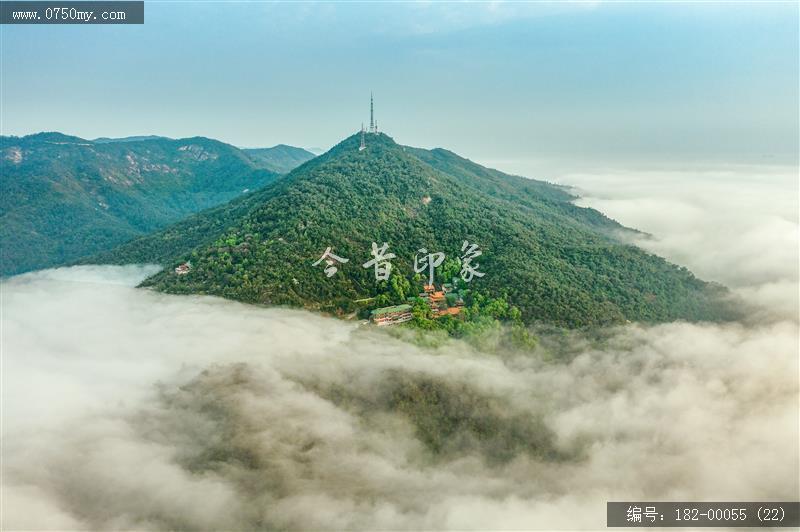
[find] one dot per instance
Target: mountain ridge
(559, 263)
(280, 158)
(64, 197)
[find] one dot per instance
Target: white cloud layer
(737, 226)
(126, 408)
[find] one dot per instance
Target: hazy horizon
(544, 169)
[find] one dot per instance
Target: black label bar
(68, 12)
(703, 514)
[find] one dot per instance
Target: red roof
(452, 311)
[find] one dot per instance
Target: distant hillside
(558, 263)
(103, 140)
(280, 158)
(63, 197)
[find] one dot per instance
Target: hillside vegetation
(544, 259)
(64, 197)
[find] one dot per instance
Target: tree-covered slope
(557, 262)
(64, 197)
(281, 158)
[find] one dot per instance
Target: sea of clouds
(737, 226)
(129, 409)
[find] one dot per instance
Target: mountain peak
(556, 262)
(370, 139)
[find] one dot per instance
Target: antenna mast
(363, 144)
(371, 114)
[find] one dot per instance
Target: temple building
(391, 315)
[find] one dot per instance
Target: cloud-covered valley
(129, 409)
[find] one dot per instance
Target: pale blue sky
(606, 84)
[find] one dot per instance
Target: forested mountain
(63, 197)
(137, 138)
(280, 158)
(558, 263)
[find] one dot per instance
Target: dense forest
(543, 258)
(64, 197)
